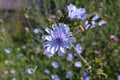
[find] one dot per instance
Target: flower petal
(49, 38)
(78, 48)
(54, 48)
(62, 49)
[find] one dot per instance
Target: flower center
(59, 40)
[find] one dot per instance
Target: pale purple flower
(78, 48)
(114, 37)
(76, 13)
(27, 29)
(102, 22)
(7, 51)
(97, 52)
(47, 71)
(59, 11)
(58, 39)
(78, 64)
(69, 57)
(55, 64)
(86, 76)
(24, 46)
(52, 16)
(37, 30)
(69, 74)
(6, 72)
(55, 77)
(29, 70)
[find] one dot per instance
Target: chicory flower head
(37, 30)
(69, 57)
(7, 51)
(55, 77)
(46, 71)
(76, 13)
(78, 64)
(78, 48)
(29, 70)
(94, 22)
(69, 74)
(59, 39)
(86, 76)
(55, 64)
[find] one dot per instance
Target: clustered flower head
(58, 40)
(76, 13)
(94, 22)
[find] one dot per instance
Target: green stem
(86, 63)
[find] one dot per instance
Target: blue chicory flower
(58, 39)
(7, 51)
(69, 74)
(93, 23)
(37, 30)
(86, 76)
(75, 13)
(47, 71)
(29, 70)
(81, 13)
(78, 64)
(55, 64)
(75, 54)
(55, 77)
(96, 17)
(78, 48)
(69, 57)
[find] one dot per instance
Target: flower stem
(86, 63)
